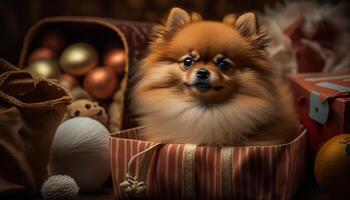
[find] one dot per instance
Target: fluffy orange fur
(242, 104)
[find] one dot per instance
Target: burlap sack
(30, 112)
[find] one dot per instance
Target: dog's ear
(195, 17)
(247, 24)
(230, 19)
(177, 18)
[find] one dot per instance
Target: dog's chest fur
(191, 122)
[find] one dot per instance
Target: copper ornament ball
(68, 81)
(53, 39)
(78, 59)
(42, 53)
(332, 167)
(101, 83)
(48, 69)
(115, 59)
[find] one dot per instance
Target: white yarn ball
(59, 187)
(80, 149)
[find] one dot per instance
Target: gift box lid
(324, 89)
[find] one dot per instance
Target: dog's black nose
(202, 74)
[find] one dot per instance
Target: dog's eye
(223, 65)
(188, 62)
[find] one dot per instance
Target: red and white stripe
(254, 172)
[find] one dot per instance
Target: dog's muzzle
(202, 80)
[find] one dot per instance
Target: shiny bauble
(42, 53)
(332, 167)
(53, 39)
(68, 81)
(115, 59)
(80, 149)
(101, 83)
(78, 59)
(48, 69)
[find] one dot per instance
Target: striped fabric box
(143, 169)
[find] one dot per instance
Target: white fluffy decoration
(80, 149)
(59, 187)
(278, 18)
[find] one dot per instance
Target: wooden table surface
(308, 191)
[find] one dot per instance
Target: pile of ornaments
(78, 64)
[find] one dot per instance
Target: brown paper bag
(30, 112)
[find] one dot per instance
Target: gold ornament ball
(78, 59)
(101, 83)
(42, 53)
(48, 69)
(68, 81)
(332, 166)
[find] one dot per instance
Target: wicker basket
(132, 35)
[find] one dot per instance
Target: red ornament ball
(101, 82)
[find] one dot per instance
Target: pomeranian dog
(210, 83)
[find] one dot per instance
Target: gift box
(148, 170)
(323, 105)
(99, 32)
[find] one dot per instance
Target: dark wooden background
(17, 16)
